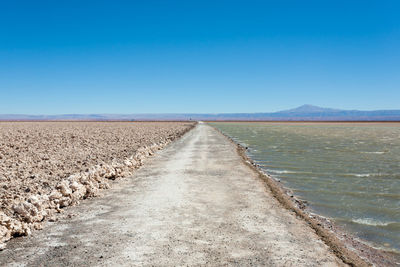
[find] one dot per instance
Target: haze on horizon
(197, 57)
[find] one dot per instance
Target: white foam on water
(374, 152)
(280, 171)
(370, 221)
(366, 174)
(361, 174)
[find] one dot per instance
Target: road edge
(292, 204)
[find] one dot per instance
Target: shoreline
(350, 249)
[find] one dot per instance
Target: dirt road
(194, 203)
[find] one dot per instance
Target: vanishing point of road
(194, 203)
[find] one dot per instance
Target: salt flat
(45, 166)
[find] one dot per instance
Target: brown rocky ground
(45, 166)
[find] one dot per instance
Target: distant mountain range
(302, 113)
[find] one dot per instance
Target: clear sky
(198, 56)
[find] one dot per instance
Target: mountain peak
(307, 108)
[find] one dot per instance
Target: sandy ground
(45, 166)
(193, 203)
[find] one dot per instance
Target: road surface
(193, 203)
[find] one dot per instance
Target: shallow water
(349, 172)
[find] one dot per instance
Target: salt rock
(83, 180)
(64, 202)
(31, 208)
(104, 185)
(15, 228)
(64, 189)
(3, 218)
(91, 190)
(55, 195)
(35, 201)
(138, 157)
(110, 173)
(24, 229)
(79, 193)
(75, 186)
(5, 234)
(28, 211)
(93, 174)
(5, 231)
(20, 210)
(37, 226)
(128, 162)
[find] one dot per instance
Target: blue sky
(197, 56)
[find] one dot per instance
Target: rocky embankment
(45, 166)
